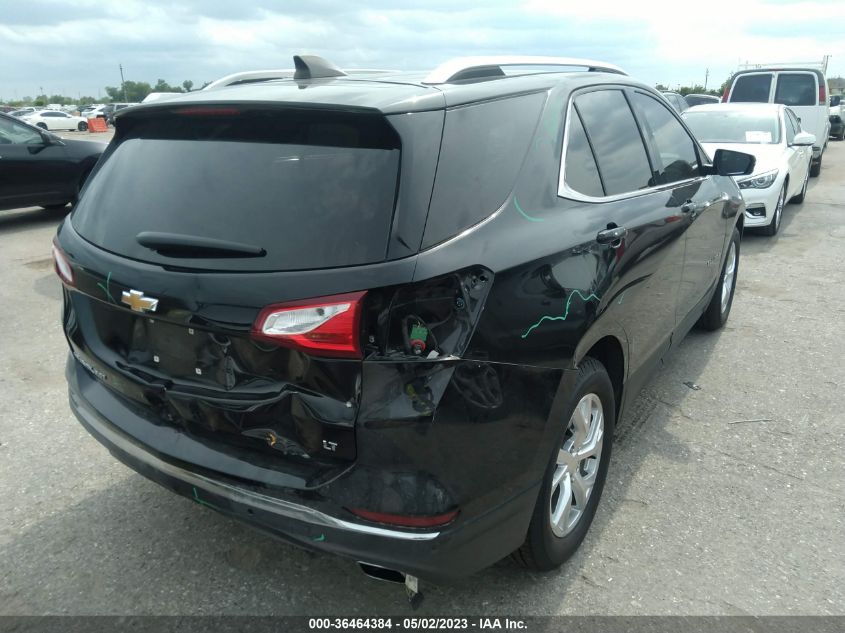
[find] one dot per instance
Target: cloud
(75, 46)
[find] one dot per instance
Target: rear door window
(672, 142)
(752, 88)
(616, 140)
(314, 189)
(796, 89)
(580, 171)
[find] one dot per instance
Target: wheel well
(608, 351)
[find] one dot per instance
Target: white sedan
(772, 133)
(56, 120)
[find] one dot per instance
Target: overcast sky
(73, 47)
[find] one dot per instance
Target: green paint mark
(565, 313)
(106, 290)
(523, 213)
(419, 332)
(203, 502)
(320, 538)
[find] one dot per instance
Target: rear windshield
(752, 88)
(313, 189)
(724, 126)
(796, 89)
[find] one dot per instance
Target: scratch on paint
(106, 288)
(523, 213)
(203, 502)
(565, 312)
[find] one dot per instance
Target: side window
(12, 133)
(676, 148)
(618, 146)
(579, 165)
(796, 89)
(751, 88)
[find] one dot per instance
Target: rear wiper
(173, 245)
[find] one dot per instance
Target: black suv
(394, 317)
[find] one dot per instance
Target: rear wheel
(82, 127)
(719, 308)
(774, 225)
(43, 126)
(575, 474)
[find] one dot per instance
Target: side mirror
(803, 139)
(729, 163)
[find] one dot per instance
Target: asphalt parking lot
(726, 493)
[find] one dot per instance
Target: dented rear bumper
(312, 517)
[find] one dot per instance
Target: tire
(546, 547)
(842, 134)
(42, 125)
(774, 226)
(801, 196)
(55, 207)
(718, 311)
(82, 127)
(816, 168)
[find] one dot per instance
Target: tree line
(129, 92)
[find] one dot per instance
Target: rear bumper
(453, 551)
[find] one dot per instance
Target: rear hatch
(196, 221)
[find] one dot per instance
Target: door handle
(612, 236)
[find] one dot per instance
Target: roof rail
(821, 65)
(249, 77)
(489, 67)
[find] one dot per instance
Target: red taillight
(822, 95)
(402, 520)
(328, 326)
(726, 93)
(62, 265)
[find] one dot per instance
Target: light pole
(706, 77)
(123, 83)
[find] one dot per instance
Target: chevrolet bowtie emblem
(138, 302)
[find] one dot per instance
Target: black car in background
(837, 111)
(38, 168)
(377, 315)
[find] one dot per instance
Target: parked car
(56, 120)
(381, 318)
(23, 112)
(773, 135)
(38, 168)
(837, 117)
(96, 112)
(115, 108)
(699, 99)
(802, 88)
(676, 100)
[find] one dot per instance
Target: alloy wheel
(728, 276)
(577, 465)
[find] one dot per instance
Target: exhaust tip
(382, 573)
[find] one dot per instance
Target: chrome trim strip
(564, 191)
(276, 506)
(444, 73)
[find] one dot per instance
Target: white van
(802, 88)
